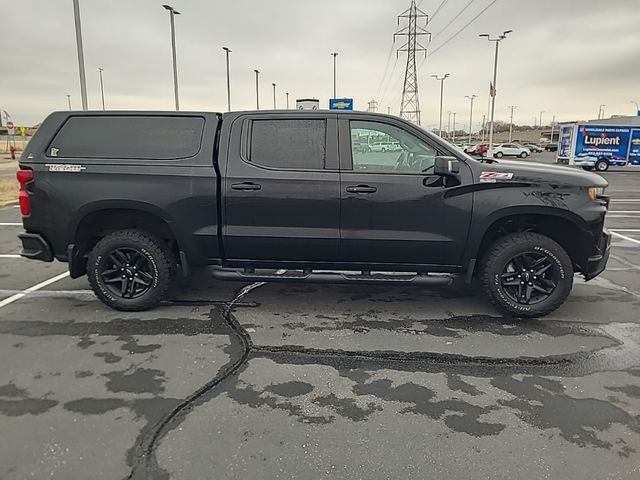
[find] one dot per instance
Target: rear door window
(290, 144)
(128, 137)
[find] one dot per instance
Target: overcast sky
(565, 56)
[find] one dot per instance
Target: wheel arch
(563, 226)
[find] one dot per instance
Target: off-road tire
(158, 254)
(502, 251)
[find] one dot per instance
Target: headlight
(595, 192)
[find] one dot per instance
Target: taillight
(24, 176)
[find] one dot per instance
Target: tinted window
(151, 138)
(382, 148)
(288, 144)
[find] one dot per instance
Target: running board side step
(328, 277)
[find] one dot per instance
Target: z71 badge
(491, 177)
(65, 167)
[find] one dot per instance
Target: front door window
(383, 148)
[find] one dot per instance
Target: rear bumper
(35, 247)
(598, 262)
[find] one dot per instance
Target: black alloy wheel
(529, 278)
(127, 273)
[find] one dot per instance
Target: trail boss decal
(65, 167)
(492, 177)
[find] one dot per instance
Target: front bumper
(598, 262)
(35, 247)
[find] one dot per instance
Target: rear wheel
(602, 165)
(130, 270)
(527, 274)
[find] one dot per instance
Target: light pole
(227, 51)
(441, 80)
(512, 107)
(274, 95)
(492, 90)
(601, 111)
(453, 140)
(535, 122)
(540, 124)
(553, 121)
(287, 94)
(83, 77)
(449, 124)
(257, 89)
(334, 55)
(637, 107)
(100, 70)
(172, 14)
(388, 110)
(470, 97)
(69, 101)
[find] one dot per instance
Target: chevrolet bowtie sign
(341, 104)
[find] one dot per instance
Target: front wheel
(130, 270)
(498, 155)
(523, 155)
(602, 165)
(527, 274)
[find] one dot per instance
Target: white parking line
(35, 288)
(10, 255)
(622, 211)
(10, 224)
(624, 237)
(625, 229)
(625, 200)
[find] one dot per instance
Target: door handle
(361, 189)
(246, 186)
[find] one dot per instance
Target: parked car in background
(470, 149)
(510, 150)
(533, 148)
(360, 147)
(482, 149)
(385, 147)
(551, 147)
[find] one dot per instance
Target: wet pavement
(229, 380)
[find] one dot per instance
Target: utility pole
(453, 140)
(512, 107)
(68, 101)
(334, 55)
(637, 107)
(227, 52)
(535, 122)
(257, 90)
(287, 94)
(410, 104)
(484, 126)
(553, 122)
(100, 70)
(541, 118)
(449, 124)
(83, 77)
(274, 95)
(388, 110)
(441, 80)
(492, 89)
(172, 14)
(470, 97)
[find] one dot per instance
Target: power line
(454, 19)
(463, 27)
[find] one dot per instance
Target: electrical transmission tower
(373, 106)
(416, 21)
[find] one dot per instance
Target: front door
(281, 189)
(394, 209)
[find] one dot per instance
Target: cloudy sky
(565, 56)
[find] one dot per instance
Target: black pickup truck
(134, 199)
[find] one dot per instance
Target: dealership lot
(228, 380)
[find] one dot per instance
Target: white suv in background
(510, 150)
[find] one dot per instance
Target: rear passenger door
(281, 189)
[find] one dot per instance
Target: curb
(8, 203)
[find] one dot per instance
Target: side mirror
(446, 166)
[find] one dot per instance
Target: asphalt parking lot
(228, 380)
